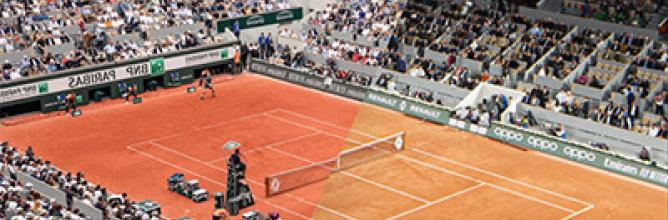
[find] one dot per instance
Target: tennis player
(206, 81)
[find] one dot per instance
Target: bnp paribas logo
(157, 66)
(402, 106)
(43, 87)
(224, 54)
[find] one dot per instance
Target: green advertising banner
(564, 149)
(268, 18)
(410, 107)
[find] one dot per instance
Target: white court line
(131, 148)
(442, 199)
(265, 113)
(385, 187)
(578, 212)
(293, 123)
(465, 177)
(451, 172)
(271, 145)
(448, 160)
(429, 165)
(417, 150)
(368, 181)
(260, 183)
(236, 120)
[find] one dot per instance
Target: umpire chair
(239, 195)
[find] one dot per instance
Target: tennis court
(442, 173)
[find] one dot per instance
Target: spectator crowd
(94, 30)
(22, 202)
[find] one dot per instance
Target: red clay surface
(443, 174)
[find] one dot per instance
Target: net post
(403, 140)
(267, 187)
(338, 162)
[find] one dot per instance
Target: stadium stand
(57, 36)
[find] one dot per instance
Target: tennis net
(302, 176)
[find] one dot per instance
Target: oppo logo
(542, 144)
(508, 135)
(578, 154)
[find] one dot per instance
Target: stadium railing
(525, 138)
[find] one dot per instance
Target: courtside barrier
(510, 134)
(310, 80)
(578, 152)
(409, 106)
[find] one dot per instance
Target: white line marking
(131, 148)
(371, 136)
(271, 145)
(442, 199)
(383, 186)
(578, 212)
(293, 123)
(417, 150)
(260, 183)
(449, 171)
(368, 181)
(236, 120)
(266, 113)
(462, 164)
(429, 165)
(216, 160)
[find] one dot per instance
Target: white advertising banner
(199, 58)
(153, 67)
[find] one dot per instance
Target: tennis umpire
(206, 81)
